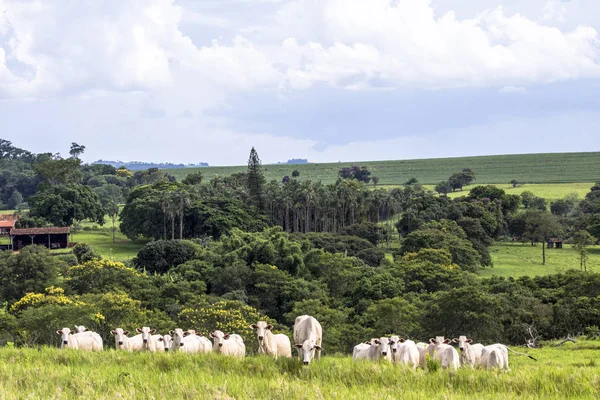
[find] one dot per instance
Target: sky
(188, 81)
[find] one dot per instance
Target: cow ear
(138, 330)
(367, 342)
(469, 340)
(226, 336)
(125, 333)
(152, 331)
(253, 327)
(402, 340)
(455, 340)
(186, 333)
(269, 327)
(212, 335)
(161, 339)
(298, 346)
(86, 330)
(318, 348)
(59, 332)
(447, 341)
(376, 341)
(171, 332)
(432, 340)
(113, 332)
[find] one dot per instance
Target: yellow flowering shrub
(53, 295)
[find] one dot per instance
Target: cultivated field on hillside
(568, 372)
(527, 168)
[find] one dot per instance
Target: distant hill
(295, 161)
(140, 165)
(525, 168)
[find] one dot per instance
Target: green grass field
(568, 372)
(516, 259)
(101, 240)
(526, 168)
(548, 191)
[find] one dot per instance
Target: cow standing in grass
(375, 350)
(228, 344)
(189, 342)
(149, 340)
(87, 341)
(274, 345)
(470, 354)
(440, 349)
(308, 335)
(126, 343)
(404, 352)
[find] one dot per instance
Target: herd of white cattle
(406, 352)
(308, 335)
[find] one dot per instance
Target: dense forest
(232, 250)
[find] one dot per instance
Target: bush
(161, 255)
(85, 253)
(69, 259)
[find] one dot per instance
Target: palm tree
(182, 200)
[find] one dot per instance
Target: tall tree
(76, 150)
(256, 179)
(182, 200)
(581, 240)
(540, 226)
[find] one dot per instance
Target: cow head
(219, 339)
(439, 340)
(81, 328)
(178, 335)
(463, 342)
(65, 334)
(261, 327)
(384, 346)
(307, 350)
(120, 336)
(167, 341)
(146, 333)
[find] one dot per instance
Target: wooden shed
(555, 243)
(52, 238)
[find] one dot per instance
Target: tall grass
(47, 373)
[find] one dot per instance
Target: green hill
(526, 168)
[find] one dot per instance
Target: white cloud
(554, 10)
(512, 89)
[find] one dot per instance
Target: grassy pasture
(548, 191)
(527, 168)
(568, 372)
(516, 259)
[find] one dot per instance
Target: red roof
(8, 223)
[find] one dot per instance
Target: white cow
(470, 354)
(123, 342)
(504, 355)
(270, 344)
(166, 341)
(229, 345)
(404, 352)
(81, 329)
(87, 341)
(376, 349)
(493, 357)
(189, 342)
(308, 335)
(422, 347)
(440, 349)
(149, 340)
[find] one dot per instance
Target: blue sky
(328, 80)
